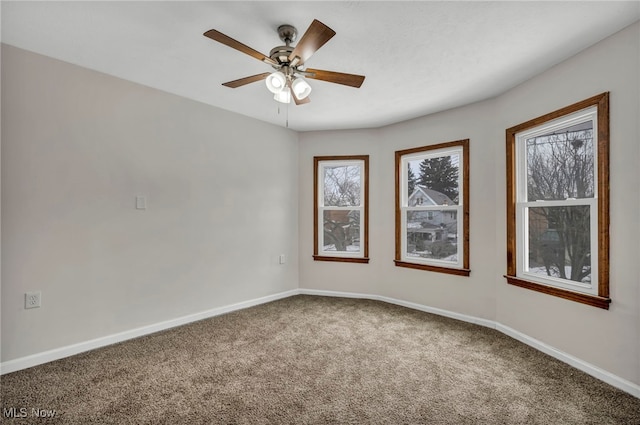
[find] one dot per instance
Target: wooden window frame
(601, 300)
(345, 258)
(464, 168)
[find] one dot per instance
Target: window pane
(560, 165)
(342, 186)
(432, 234)
(560, 242)
(433, 181)
(341, 230)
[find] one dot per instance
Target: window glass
(341, 208)
(432, 235)
(432, 207)
(341, 230)
(342, 185)
(560, 164)
(559, 243)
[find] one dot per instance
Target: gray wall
(77, 147)
(607, 339)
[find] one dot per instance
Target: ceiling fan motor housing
(281, 54)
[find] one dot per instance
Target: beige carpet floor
(316, 360)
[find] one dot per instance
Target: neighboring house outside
(341, 230)
(423, 196)
(545, 242)
(426, 227)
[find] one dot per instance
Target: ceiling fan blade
(315, 37)
(234, 44)
(335, 77)
(246, 80)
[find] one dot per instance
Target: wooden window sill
(592, 300)
(362, 260)
(429, 267)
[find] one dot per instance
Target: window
(432, 208)
(341, 208)
(558, 203)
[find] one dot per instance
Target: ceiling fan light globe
(276, 82)
(301, 88)
(283, 96)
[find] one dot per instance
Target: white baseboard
(70, 350)
(59, 353)
(601, 374)
(595, 371)
(414, 306)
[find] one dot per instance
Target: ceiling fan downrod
(287, 33)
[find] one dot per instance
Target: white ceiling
(418, 57)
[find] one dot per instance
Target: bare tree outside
(342, 188)
(560, 166)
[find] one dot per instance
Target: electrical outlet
(32, 299)
(282, 259)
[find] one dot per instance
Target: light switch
(141, 202)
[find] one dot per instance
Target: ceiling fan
(288, 81)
